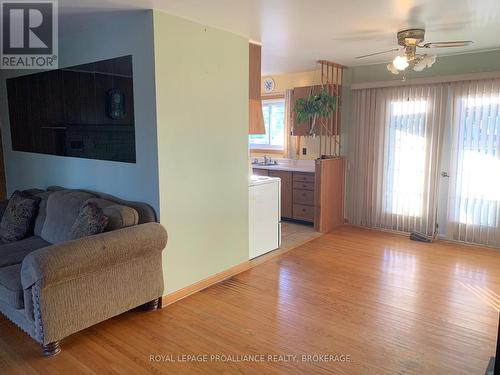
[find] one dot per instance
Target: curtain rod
(427, 80)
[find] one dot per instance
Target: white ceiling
(295, 33)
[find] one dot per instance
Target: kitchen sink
(265, 164)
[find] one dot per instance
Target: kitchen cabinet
(297, 193)
(300, 128)
(255, 116)
(303, 188)
(260, 172)
(305, 197)
(315, 197)
(303, 212)
(329, 197)
(286, 191)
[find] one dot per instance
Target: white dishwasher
(264, 215)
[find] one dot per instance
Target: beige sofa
(52, 287)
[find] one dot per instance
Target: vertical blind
(394, 149)
(474, 189)
(394, 156)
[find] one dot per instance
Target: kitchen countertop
(290, 165)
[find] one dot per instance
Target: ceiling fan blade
(377, 53)
(458, 43)
(366, 34)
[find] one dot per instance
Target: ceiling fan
(410, 40)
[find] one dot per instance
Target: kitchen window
(274, 120)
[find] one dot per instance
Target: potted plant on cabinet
(316, 106)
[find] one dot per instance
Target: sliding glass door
(474, 189)
(405, 159)
(427, 158)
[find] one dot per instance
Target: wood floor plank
(392, 305)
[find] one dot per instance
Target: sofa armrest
(69, 260)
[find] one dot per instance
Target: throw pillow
(90, 221)
(19, 217)
(3, 207)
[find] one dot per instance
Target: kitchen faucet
(269, 160)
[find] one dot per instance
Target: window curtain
(474, 188)
(395, 142)
(289, 150)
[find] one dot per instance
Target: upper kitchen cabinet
(300, 128)
(255, 117)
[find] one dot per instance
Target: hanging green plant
(320, 105)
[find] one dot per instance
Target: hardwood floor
(392, 305)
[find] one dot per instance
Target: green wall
(201, 78)
(488, 61)
(445, 65)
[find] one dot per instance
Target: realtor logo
(29, 35)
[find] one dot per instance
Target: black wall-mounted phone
(115, 104)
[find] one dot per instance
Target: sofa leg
(51, 349)
(152, 305)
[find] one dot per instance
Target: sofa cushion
(34, 191)
(14, 252)
(90, 221)
(42, 212)
(63, 208)
(19, 216)
(11, 290)
(119, 216)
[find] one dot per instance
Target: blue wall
(87, 38)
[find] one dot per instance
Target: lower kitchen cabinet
(297, 194)
(260, 172)
(315, 197)
(303, 212)
(303, 189)
(286, 191)
(305, 197)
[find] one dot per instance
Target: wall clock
(268, 85)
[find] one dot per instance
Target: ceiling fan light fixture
(391, 68)
(418, 67)
(400, 62)
(410, 40)
(424, 61)
(431, 59)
